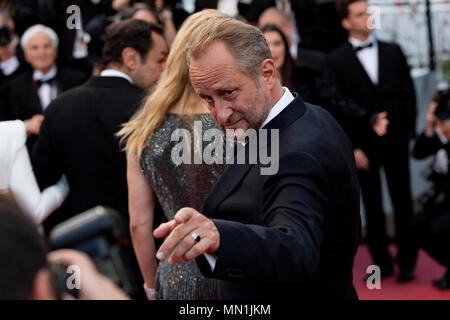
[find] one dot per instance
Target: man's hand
(431, 118)
(362, 162)
(94, 286)
(180, 239)
(34, 124)
(381, 124)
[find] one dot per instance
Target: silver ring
(195, 236)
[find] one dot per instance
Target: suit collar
(282, 103)
(234, 173)
(109, 82)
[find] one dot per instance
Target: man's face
(277, 47)
(147, 74)
(444, 125)
(234, 99)
(357, 20)
(275, 19)
(40, 53)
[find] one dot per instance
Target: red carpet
(420, 288)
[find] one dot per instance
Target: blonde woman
(153, 176)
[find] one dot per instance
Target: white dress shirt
(17, 177)
(10, 65)
(115, 73)
(46, 92)
(284, 101)
(368, 56)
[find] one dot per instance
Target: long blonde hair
(173, 86)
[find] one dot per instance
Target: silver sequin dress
(178, 186)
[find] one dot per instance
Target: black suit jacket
(78, 139)
(394, 93)
(22, 100)
(293, 234)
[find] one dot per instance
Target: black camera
(102, 234)
(5, 35)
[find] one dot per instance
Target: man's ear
(130, 58)
(346, 24)
(268, 72)
(42, 286)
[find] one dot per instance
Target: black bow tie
(358, 48)
(48, 81)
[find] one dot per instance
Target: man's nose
(223, 112)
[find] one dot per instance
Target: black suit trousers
(396, 167)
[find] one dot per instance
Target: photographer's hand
(94, 286)
(431, 118)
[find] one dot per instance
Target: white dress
(17, 177)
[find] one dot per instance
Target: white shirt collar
(284, 101)
(115, 73)
(358, 43)
(9, 66)
(38, 75)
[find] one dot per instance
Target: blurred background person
(153, 177)
(30, 93)
(149, 15)
(24, 264)
(11, 57)
(431, 227)
(17, 178)
(375, 75)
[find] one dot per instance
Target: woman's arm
(26, 190)
(142, 207)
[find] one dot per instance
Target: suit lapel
(381, 61)
(356, 64)
(35, 102)
(234, 173)
(229, 179)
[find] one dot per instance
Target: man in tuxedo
(78, 133)
(375, 75)
(286, 235)
(29, 93)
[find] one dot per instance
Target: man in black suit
(78, 134)
(289, 233)
(375, 75)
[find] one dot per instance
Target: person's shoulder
(13, 131)
(24, 76)
(67, 101)
(390, 47)
(341, 50)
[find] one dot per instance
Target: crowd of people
(88, 116)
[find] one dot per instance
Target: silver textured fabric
(178, 186)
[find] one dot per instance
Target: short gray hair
(33, 30)
(246, 43)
